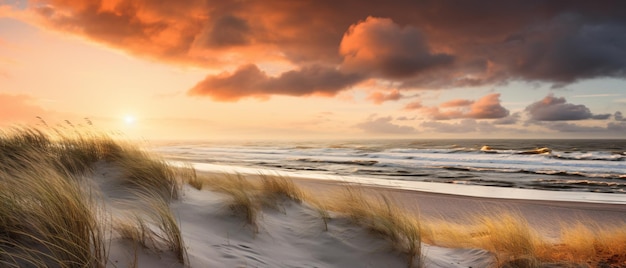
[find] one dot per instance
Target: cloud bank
(553, 108)
(415, 44)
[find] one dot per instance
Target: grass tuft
(49, 218)
(382, 216)
(143, 171)
(275, 189)
(169, 231)
(242, 194)
(510, 237)
(50, 214)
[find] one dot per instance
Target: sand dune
(89, 201)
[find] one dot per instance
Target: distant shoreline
(544, 215)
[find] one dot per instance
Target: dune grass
(382, 216)
(273, 188)
(49, 218)
(510, 237)
(50, 214)
(515, 243)
(189, 175)
(143, 172)
(588, 242)
(169, 231)
(243, 196)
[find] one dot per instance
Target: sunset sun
(130, 119)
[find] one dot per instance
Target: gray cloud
(569, 127)
(249, 80)
(509, 120)
(379, 47)
(553, 108)
(618, 116)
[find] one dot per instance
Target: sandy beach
(547, 217)
(91, 201)
(542, 214)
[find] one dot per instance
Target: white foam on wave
(596, 164)
(442, 188)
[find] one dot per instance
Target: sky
(316, 69)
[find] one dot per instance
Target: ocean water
(553, 165)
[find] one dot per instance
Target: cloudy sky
(317, 69)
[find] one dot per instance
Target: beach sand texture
(87, 200)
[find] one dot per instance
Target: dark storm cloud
(381, 48)
(553, 108)
(249, 80)
(417, 44)
(228, 31)
(618, 116)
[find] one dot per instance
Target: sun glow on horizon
(129, 119)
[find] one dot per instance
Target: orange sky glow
(316, 69)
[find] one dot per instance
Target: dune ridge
(79, 198)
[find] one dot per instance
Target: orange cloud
(407, 42)
(379, 97)
(487, 107)
(456, 103)
(413, 105)
(382, 48)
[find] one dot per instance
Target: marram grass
(50, 214)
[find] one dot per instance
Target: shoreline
(478, 191)
(546, 216)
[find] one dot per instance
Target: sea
(579, 166)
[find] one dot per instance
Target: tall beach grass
(50, 213)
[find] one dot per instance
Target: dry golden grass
(587, 242)
(322, 209)
(274, 188)
(189, 176)
(382, 216)
(510, 237)
(243, 196)
(247, 197)
(142, 171)
(136, 230)
(169, 231)
(516, 244)
(50, 216)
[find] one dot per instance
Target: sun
(129, 119)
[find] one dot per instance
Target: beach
(87, 200)
(545, 215)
